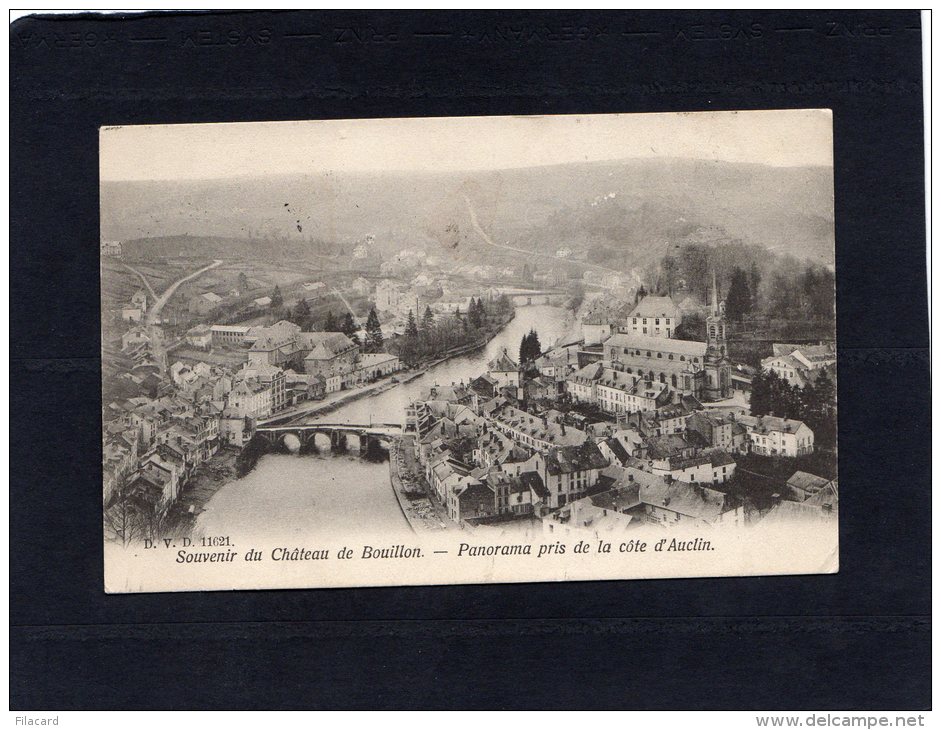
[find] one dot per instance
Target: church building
(700, 369)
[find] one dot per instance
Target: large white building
(653, 317)
(773, 436)
(799, 364)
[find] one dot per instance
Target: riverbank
(342, 398)
(412, 492)
(208, 479)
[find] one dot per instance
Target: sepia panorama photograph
(468, 350)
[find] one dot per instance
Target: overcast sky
(200, 151)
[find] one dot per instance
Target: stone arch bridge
(343, 436)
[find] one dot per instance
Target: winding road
(159, 301)
(144, 280)
(483, 234)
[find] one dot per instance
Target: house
(555, 364)
(654, 317)
(569, 471)
(504, 371)
(596, 328)
(444, 472)
(803, 485)
(718, 431)
(251, 399)
(614, 450)
(773, 436)
(361, 286)
(270, 377)
(376, 365)
(821, 510)
(800, 364)
(389, 295)
(139, 300)
(484, 387)
(158, 481)
(134, 337)
(602, 516)
(674, 417)
(234, 429)
(670, 503)
(204, 303)
(200, 336)
(228, 335)
(539, 388)
(303, 387)
(131, 313)
(532, 432)
(262, 302)
(582, 384)
(619, 392)
(275, 345)
(468, 497)
(111, 248)
(329, 354)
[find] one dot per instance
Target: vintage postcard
(466, 350)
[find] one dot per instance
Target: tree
(503, 305)
(330, 323)
(301, 313)
(738, 298)
(670, 273)
(427, 320)
(576, 294)
(818, 292)
(782, 297)
(373, 332)
(692, 327)
(640, 294)
(530, 347)
(122, 520)
(276, 299)
(754, 280)
(695, 263)
(535, 345)
(760, 393)
(411, 326)
(524, 348)
(474, 314)
(350, 327)
(242, 283)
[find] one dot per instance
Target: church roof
(657, 344)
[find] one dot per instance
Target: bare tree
(122, 518)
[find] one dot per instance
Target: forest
(752, 280)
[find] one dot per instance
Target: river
(295, 496)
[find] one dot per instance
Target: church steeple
(715, 295)
(717, 365)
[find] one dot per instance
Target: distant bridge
(524, 297)
(343, 436)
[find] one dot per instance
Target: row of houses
(530, 460)
(332, 356)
